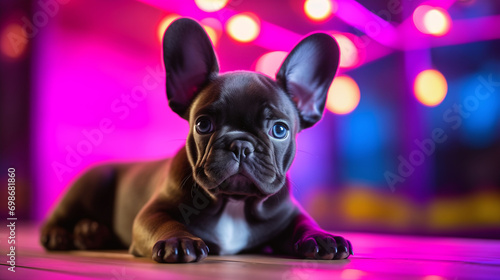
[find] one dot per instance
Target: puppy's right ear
(190, 63)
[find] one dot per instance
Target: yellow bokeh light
(430, 87)
(343, 95)
(319, 10)
(348, 51)
(211, 5)
(437, 22)
(164, 23)
(432, 20)
(243, 28)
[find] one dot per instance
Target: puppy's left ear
(306, 75)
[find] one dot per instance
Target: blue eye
(204, 125)
(279, 131)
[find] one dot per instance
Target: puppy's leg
(305, 239)
(82, 220)
(155, 233)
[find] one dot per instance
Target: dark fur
(169, 209)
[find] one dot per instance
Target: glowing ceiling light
(269, 63)
(164, 23)
(13, 40)
(243, 27)
(348, 52)
(211, 5)
(319, 10)
(430, 20)
(430, 87)
(343, 95)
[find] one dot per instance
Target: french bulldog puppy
(226, 191)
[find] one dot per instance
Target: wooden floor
(376, 257)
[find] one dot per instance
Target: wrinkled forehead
(245, 95)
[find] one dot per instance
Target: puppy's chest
(231, 231)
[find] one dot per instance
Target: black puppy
(226, 191)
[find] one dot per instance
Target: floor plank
(376, 257)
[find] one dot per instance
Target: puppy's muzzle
(241, 150)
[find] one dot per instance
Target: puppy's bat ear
(306, 75)
(190, 63)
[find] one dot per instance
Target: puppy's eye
(279, 131)
(204, 125)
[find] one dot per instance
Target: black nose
(241, 149)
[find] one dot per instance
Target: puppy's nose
(241, 149)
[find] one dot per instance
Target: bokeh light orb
(13, 40)
(437, 22)
(163, 25)
(319, 10)
(430, 87)
(432, 20)
(343, 95)
(243, 27)
(211, 5)
(349, 56)
(270, 63)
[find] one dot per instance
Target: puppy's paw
(323, 246)
(56, 238)
(180, 250)
(89, 235)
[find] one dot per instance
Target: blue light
(480, 123)
(364, 137)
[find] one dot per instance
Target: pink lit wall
(100, 96)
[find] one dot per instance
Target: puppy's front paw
(90, 235)
(56, 238)
(323, 246)
(180, 250)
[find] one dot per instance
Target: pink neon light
(463, 31)
(87, 105)
(372, 25)
(274, 37)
